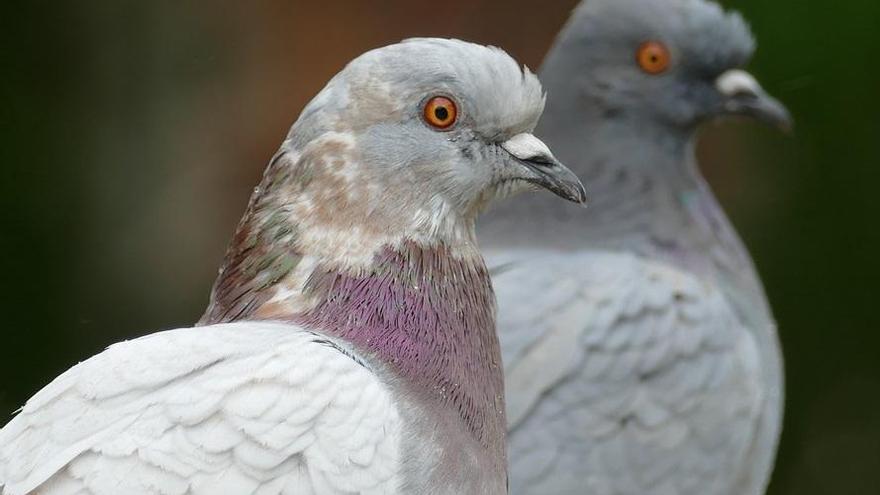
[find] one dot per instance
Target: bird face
(673, 62)
(444, 126)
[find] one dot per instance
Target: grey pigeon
(350, 343)
(640, 353)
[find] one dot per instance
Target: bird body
(309, 408)
(349, 345)
(640, 353)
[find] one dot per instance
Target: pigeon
(641, 356)
(349, 345)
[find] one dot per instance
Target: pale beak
(743, 95)
(541, 168)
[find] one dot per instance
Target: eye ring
(653, 57)
(440, 112)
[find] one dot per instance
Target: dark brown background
(132, 132)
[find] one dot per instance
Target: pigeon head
(675, 63)
(432, 130)
(402, 148)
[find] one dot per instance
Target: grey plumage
(641, 356)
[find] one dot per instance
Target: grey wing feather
(624, 376)
(240, 408)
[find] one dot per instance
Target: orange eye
(440, 112)
(653, 57)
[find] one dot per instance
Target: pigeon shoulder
(271, 405)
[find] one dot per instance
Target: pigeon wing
(238, 408)
(622, 375)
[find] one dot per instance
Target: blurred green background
(133, 132)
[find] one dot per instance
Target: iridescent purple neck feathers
(431, 317)
(425, 311)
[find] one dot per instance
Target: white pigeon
(640, 353)
(350, 343)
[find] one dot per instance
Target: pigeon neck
(646, 195)
(426, 308)
(431, 316)
(315, 208)
(648, 198)
(651, 199)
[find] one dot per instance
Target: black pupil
(441, 113)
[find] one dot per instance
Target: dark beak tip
(771, 111)
(573, 192)
(555, 177)
(581, 197)
(571, 188)
(775, 113)
(786, 124)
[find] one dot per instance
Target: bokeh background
(131, 134)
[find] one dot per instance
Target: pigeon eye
(653, 57)
(440, 112)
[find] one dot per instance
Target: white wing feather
(240, 408)
(624, 376)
